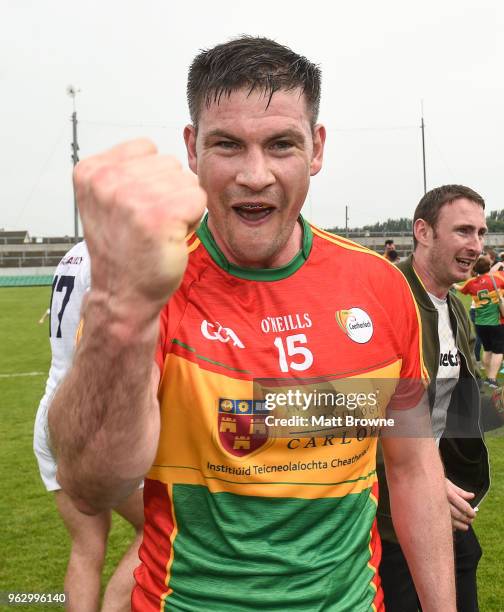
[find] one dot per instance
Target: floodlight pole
(72, 92)
(346, 221)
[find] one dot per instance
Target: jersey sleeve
(467, 287)
(169, 319)
(172, 313)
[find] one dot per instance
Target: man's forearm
(421, 517)
(104, 419)
(137, 207)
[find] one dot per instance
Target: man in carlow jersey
(249, 505)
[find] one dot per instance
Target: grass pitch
(34, 543)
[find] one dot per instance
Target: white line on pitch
(15, 375)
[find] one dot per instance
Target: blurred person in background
(472, 316)
(491, 254)
(389, 247)
(393, 256)
(486, 289)
(88, 534)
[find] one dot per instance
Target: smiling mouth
(465, 263)
(253, 211)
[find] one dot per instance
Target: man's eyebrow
(220, 134)
(468, 226)
(289, 133)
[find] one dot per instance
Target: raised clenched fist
(137, 207)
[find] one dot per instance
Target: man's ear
(319, 136)
(190, 143)
(423, 232)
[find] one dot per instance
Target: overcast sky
(378, 59)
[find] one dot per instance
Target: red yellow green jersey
(486, 301)
(237, 517)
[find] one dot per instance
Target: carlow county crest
(241, 429)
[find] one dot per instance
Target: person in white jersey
(448, 231)
(88, 534)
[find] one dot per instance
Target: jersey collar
(258, 274)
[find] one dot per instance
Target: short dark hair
(393, 255)
(255, 63)
(433, 201)
(482, 265)
(389, 241)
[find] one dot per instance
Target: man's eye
(226, 144)
(282, 145)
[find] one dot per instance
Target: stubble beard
(440, 270)
(258, 252)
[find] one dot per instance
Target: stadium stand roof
(14, 237)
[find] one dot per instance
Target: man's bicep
(409, 453)
(411, 438)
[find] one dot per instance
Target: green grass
(34, 543)
(490, 522)
(489, 527)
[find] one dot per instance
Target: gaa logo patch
(356, 324)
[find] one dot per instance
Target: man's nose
(255, 173)
(476, 242)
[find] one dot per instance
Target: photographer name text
(347, 420)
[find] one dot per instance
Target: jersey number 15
(293, 349)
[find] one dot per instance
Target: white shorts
(42, 448)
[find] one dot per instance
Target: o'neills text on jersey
(286, 323)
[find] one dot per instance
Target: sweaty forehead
(245, 105)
